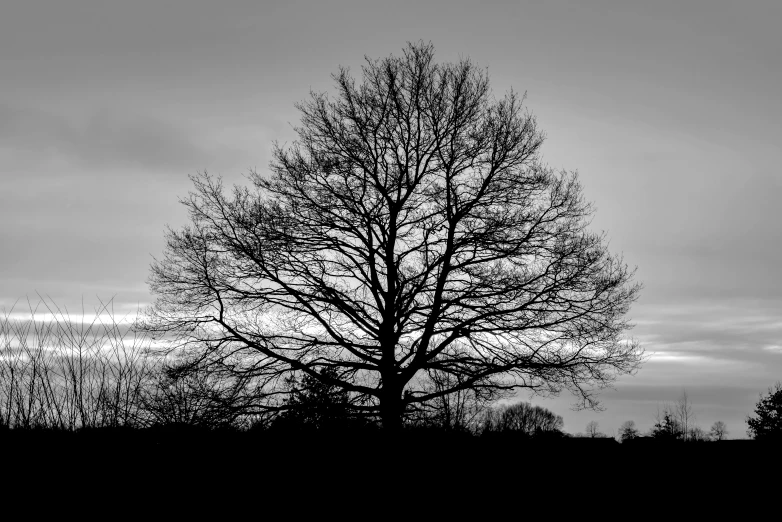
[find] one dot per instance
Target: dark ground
(559, 475)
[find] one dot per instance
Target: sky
(669, 111)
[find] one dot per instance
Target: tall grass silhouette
(59, 371)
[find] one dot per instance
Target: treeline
(67, 375)
(677, 422)
(673, 423)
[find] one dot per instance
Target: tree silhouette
(766, 424)
(628, 431)
(667, 427)
(411, 229)
(314, 403)
(522, 418)
(684, 414)
(593, 430)
(719, 431)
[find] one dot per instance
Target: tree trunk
(391, 408)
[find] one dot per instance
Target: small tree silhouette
(628, 431)
(767, 422)
(593, 430)
(667, 427)
(314, 403)
(718, 431)
(684, 414)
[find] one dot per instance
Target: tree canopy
(412, 233)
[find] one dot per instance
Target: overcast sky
(669, 110)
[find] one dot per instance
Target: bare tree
(628, 431)
(684, 414)
(412, 228)
(593, 430)
(719, 431)
(523, 418)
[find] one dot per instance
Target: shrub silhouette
(314, 404)
(185, 394)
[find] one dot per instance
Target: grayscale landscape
(483, 236)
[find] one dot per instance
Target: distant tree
(412, 227)
(628, 431)
(522, 418)
(697, 434)
(667, 426)
(593, 430)
(766, 424)
(684, 414)
(719, 431)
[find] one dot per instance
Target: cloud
(105, 138)
(724, 351)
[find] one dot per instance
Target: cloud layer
(669, 111)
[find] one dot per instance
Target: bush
(187, 395)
